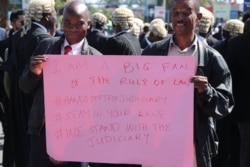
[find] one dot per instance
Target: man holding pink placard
(213, 97)
(75, 24)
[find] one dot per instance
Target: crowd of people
(221, 117)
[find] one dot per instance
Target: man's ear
(199, 16)
(89, 24)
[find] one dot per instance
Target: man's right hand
(36, 64)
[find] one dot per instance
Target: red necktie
(67, 49)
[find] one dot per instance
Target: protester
(238, 62)
(157, 32)
(54, 31)
(226, 128)
(218, 34)
(17, 21)
(213, 97)
(145, 29)
(245, 16)
(3, 33)
(76, 21)
(169, 28)
(138, 27)
(39, 18)
(232, 28)
(96, 36)
(124, 42)
(246, 25)
(204, 27)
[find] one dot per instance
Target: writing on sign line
(120, 109)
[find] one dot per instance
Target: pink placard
(120, 109)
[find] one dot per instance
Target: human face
(75, 27)
(184, 17)
(51, 19)
(18, 23)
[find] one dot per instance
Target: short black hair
(14, 15)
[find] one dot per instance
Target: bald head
(76, 21)
(76, 8)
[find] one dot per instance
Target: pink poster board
(120, 109)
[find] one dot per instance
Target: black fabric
(38, 153)
(96, 39)
(125, 43)
(20, 102)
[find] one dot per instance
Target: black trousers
(38, 156)
(244, 128)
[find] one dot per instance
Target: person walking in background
(145, 29)
(138, 27)
(17, 18)
(204, 27)
(238, 62)
(96, 36)
(124, 42)
(76, 22)
(157, 32)
(213, 98)
(246, 15)
(17, 22)
(40, 17)
(226, 128)
(232, 28)
(246, 26)
(3, 33)
(218, 34)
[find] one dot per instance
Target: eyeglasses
(71, 26)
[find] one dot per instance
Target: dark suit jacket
(125, 43)
(238, 61)
(4, 44)
(144, 43)
(20, 103)
(31, 83)
(58, 33)
(22, 49)
(218, 99)
(96, 39)
(24, 46)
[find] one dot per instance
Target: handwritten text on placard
(120, 109)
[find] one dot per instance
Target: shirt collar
(76, 48)
(148, 42)
(192, 46)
